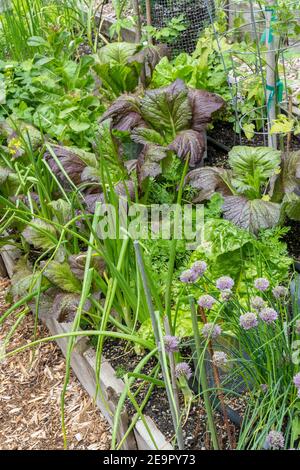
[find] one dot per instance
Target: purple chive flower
(199, 267)
(257, 303)
(297, 327)
(171, 343)
(248, 320)
(264, 388)
(182, 369)
(188, 276)
(210, 330)
(206, 301)
(268, 315)
(224, 283)
(296, 380)
(261, 284)
(279, 291)
(219, 358)
(275, 440)
(226, 295)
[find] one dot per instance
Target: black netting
(197, 15)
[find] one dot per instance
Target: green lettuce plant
(121, 65)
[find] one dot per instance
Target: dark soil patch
(124, 359)
(292, 239)
(224, 134)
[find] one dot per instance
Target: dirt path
(30, 388)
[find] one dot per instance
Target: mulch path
(30, 388)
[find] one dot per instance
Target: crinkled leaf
(253, 215)
(262, 161)
(291, 204)
(149, 162)
(289, 179)
(167, 108)
(72, 159)
(203, 104)
(209, 180)
(23, 278)
(190, 143)
(90, 174)
(65, 306)
(60, 275)
(20, 137)
(119, 78)
(62, 209)
(40, 234)
(91, 200)
(145, 136)
(117, 52)
(77, 264)
(116, 68)
(124, 112)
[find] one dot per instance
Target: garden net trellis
(196, 15)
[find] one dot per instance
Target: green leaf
(118, 78)
(79, 126)
(250, 160)
(145, 136)
(22, 279)
(167, 108)
(37, 41)
(249, 130)
(60, 275)
(117, 53)
(62, 210)
(40, 234)
(282, 125)
(149, 162)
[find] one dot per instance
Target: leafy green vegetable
(259, 187)
(60, 275)
(171, 118)
(40, 234)
(119, 65)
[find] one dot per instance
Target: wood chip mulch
(30, 389)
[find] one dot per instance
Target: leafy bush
(259, 188)
(165, 120)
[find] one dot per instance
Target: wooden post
(271, 91)
(137, 14)
(148, 17)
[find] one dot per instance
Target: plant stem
(202, 376)
(173, 246)
(218, 386)
(160, 344)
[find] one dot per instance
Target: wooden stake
(137, 14)
(149, 18)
